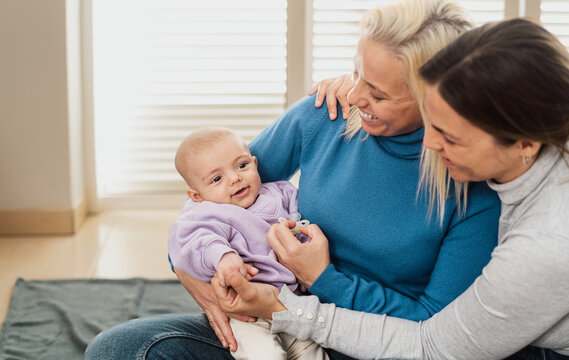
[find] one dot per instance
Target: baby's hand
(231, 263)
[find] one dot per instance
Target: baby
(223, 226)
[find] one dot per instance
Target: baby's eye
(242, 165)
(216, 179)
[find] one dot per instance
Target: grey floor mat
(56, 319)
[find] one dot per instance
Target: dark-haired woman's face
(470, 153)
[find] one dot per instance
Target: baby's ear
(194, 195)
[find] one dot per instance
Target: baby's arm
(197, 244)
(229, 264)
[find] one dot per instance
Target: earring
(526, 160)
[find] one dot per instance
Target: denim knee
(171, 336)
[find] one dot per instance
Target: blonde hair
(195, 143)
(414, 31)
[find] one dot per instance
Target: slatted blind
(555, 18)
(336, 28)
(162, 68)
(483, 11)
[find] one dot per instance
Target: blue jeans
(535, 353)
(164, 337)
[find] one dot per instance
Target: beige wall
(40, 106)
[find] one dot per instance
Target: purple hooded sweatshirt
(205, 231)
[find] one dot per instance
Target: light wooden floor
(119, 244)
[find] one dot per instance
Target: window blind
(335, 34)
(162, 68)
(484, 11)
(555, 18)
(335, 28)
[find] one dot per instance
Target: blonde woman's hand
(306, 260)
(334, 90)
(205, 296)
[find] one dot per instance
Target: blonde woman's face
(385, 103)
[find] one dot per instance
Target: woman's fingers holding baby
(306, 260)
(281, 238)
(205, 296)
(314, 232)
(247, 298)
(225, 269)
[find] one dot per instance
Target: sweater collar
(406, 146)
(267, 205)
(515, 191)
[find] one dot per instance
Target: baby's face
(225, 173)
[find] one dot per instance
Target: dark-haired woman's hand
(247, 298)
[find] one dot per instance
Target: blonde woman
(387, 254)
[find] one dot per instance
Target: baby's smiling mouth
(241, 191)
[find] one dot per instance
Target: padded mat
(56, 319)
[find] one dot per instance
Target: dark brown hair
(509, 78)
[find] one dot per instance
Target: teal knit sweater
(387, 255)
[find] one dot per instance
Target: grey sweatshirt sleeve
(521, 298)
(354, 333)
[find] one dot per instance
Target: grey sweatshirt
(521, 298)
